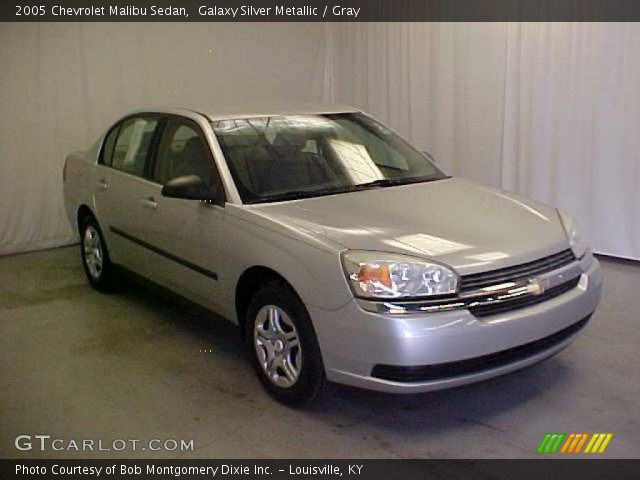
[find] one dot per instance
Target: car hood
(454, 221)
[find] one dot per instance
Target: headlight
(578, 247)
(388, 275)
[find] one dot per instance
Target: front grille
(517, 272)
(425, 373)
(525, 301)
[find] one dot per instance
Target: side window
(133, 144)
(109, 143)
(183, 151)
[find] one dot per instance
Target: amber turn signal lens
(375, 273)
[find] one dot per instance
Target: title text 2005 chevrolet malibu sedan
(343, 253)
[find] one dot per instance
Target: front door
(183, 235)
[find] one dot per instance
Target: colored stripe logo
(574, 443)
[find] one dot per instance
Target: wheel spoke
(277, 325)
(272, 367)
(291, 336)
(262, 355)
(289, 370)
(274, 319)
(265, 334)
(262, 337)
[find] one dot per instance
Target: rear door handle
(149, 202)
(102, 183)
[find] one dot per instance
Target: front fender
(310, 264)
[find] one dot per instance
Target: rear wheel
(283, 345)
(95, 257)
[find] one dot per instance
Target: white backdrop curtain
(550, 110)
(62, 84)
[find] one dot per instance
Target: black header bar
(319, 10)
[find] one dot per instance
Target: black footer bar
(583, 469)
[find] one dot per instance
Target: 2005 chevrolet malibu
(342, 252)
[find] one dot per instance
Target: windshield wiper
(383, 182)
(387, 182)
(295, 194)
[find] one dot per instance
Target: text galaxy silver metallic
(278, 11)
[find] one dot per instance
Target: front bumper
(354, 341)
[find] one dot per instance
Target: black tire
(102, 279)
(311, 380)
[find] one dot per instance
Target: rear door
(122, 192)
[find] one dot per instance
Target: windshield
(296, 156)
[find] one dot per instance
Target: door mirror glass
(190, 187)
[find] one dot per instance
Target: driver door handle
(149, 202)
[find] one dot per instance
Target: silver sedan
(342, 252)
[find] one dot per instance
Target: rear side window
(132, 146)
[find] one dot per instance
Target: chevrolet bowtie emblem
(537, 286)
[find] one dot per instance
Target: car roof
(228, 111)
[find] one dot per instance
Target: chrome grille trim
(515, 301)
(516, 272)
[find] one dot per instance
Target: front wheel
(283, 345)
(95, 257)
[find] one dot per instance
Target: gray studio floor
(79, 364)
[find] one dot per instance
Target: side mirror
(190, 187)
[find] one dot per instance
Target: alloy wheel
(92, 247)
(277, 345)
